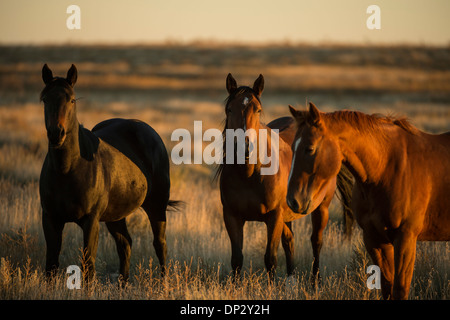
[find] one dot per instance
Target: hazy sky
(134, 21)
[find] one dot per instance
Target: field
(169, 86)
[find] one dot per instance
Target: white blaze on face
(245, 102)
(297, 143)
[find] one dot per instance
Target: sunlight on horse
(401, 189)
(247, 195)
(99, 175)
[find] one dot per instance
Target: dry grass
(198, 245)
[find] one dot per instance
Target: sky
(245, 21)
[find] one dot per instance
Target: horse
(247, 195)
(99, 175)
(402, 178)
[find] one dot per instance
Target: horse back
(286, 127)
(140, 143)
(287, 130)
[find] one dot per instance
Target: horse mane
(373, 122)
(361, 121)
(57, 82)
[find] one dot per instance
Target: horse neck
(366, 152)
(282, 145)
(255, 168)
(268, 146)
(65, 157)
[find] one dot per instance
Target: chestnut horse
(99, 175)
(402, 179)
(247, 195)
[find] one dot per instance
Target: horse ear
(299, 116)
(47, 74)
(293, 111)
(231, 84)
(258, 86)
(72, 75)
(314, 114)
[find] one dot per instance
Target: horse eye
(258, 111)
(73, 101)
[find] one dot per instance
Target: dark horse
(99, 175)
(402, 179)
(247, 195)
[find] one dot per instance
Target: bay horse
(402, 179)
(99, 175)
(247, 195)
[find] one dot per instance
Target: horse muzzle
(248, 150)
(56, 136)
(295, 206)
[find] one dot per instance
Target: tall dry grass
(198, 245)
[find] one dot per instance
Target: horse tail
(345, 187)
(175, 205)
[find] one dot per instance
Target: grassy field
(169, 87)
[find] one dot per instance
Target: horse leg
(118, 230)
(159, 242)
(53, 238)
(156, 213)
(155, 205)
(287, 240)
(348, 223)
(235, 229)
(319, 219)
(275, 225)
(90, 227)
(382, 254)
(404, 257)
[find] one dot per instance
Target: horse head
(316, 161)
(59, 105)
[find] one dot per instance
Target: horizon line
(223, 42)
